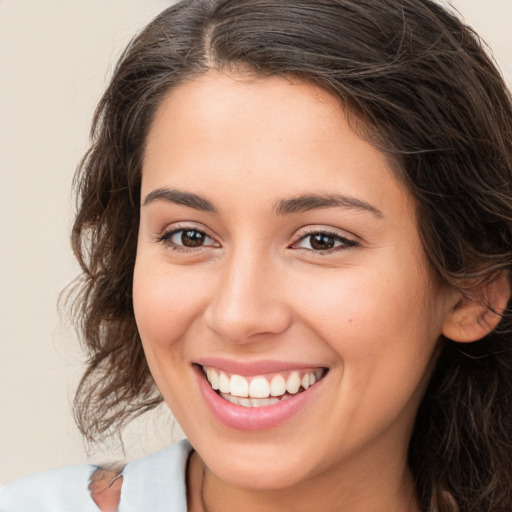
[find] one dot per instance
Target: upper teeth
(261, 386)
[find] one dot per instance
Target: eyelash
(166, 239)
(344, 243)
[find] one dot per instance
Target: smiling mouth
(261, 390)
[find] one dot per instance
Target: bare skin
(242, 177)
(256, 289)
(204, 494)
(105, 489)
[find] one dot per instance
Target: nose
(249, 300)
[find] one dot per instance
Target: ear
(478, 313)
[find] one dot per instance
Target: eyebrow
(180, 197)
(297, 204)
(309, 202)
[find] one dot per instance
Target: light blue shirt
(155, 483)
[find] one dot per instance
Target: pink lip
(248, 368)
(252, 418)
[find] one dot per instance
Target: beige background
(55, 59)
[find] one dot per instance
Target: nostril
(247, 302)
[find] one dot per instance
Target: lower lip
(253, 418)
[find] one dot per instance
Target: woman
(295, 227)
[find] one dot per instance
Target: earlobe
(477, 314)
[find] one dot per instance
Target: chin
(267, 465)
(257, 475)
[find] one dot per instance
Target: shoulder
(149, 483)
(157, 480)
(50, 491)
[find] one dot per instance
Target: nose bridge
(249, 298)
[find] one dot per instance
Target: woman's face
(276, 248)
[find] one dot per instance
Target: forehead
(226, 132)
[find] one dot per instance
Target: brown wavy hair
(429, 96)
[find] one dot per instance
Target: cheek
(382, 334)
(166, 306)
(165, 303)
(379, 325)
(364, 300)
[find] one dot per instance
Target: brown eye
(192, 238)
(321, 242)
(187, 239)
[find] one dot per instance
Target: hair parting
(415, 82)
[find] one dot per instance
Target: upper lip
(248, 368)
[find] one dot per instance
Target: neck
(368, 487)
